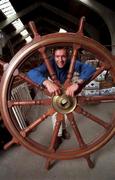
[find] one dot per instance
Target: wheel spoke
(49, 66)
(75, 51)
(43, 53)
(93, 99)
(76, 130)
(89, 162)
(25, 78)
(28, 80)
(98, 72)
(72, 64)
(29, 102)
(50, 112)
(59, 118)
(85, 113)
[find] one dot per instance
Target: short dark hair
(59, 48)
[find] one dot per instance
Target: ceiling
(50, 15)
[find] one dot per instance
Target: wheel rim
(89, 44)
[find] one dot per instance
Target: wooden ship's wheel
(71, 106)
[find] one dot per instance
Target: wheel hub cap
(64, 104)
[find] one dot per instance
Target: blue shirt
(40, 73)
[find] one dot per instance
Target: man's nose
(60, 58)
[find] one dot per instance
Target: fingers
(52, 88)
(56, 93)
(70, 92)
(55, 90)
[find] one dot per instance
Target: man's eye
(60, 57)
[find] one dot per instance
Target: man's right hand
(52, 87)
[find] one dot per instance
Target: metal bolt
(64, 101)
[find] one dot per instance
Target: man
(60, 64)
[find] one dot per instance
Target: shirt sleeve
(85, 70)
(38, 74)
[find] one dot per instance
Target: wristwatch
(80, 81)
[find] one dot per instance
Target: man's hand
(71, 90)
(52, 87)
(74, 87)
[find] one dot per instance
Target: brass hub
(64, 104)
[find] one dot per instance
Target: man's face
(60, 57)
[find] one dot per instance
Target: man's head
(60, 55)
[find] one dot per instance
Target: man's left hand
(71, 89)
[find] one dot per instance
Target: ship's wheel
(73, 107)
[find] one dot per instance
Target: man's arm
(38, 75)
(86, 71)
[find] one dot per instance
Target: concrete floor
(18, 163)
